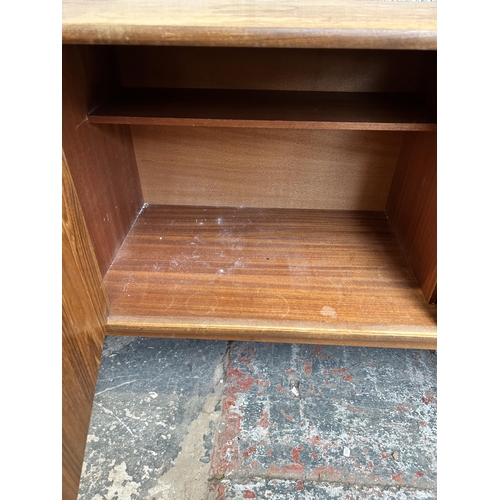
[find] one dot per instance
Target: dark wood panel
(265, 109)
(412, 207)
(275, 275)
(342, 170)
(101, 159)
(84, 311)
(272, 69)
(251, 23)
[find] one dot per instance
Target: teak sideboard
(259, 171)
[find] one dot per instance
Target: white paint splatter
(329, 312)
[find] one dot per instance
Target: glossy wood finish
(318, 70)
(84, 312)
(252, 23)
(273, 275)
(342, 170)
(101, 159)
(265, 109)
(412, 207)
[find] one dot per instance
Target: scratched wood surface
(265, 109)
(84, 311)
(101, 159)
(267, 274)
(252, 23)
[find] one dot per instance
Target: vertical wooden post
(84, 311)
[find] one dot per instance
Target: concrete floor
(206, 420)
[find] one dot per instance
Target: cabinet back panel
(315, 169)
(278, 69)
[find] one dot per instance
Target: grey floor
(188, 419)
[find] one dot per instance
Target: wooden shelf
(265, 109)
(311, 276)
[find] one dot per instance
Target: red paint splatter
(307, 367)
(279, 388)
(419, 474)
(428, 400)
(398, 477)
(296, 454)
(422, 423)
(244, 360)
(300, 485)
(329, 358)
(290, 372)
(400, 408)
(270, 452)
(239, 381)
(249, 355)
(221, 492)
(370, 464)
(318, 352)
(385, 455)
(250, 450)
(264, 421)
(348, 378)
(319, 443)
(334, 370)
(288, 417)
(314, 455)
(290, 470)
(328, 473)
(429, 397)
(354, 409)
(249, 494)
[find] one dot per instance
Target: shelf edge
(394, 339)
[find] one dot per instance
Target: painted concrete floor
(206, 420)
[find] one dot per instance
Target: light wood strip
(252, 23)
(275, 275)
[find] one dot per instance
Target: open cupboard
(224, 190)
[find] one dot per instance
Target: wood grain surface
(319, 70)
(265, 109)
(101, 159)
(256, 23)
(266, 168)
(84, 311)
(412, 207)
(275, 275)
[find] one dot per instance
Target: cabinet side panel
(412, 207)
(101, 157)
(84, 307)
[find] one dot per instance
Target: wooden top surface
(252, 23)
(294, 275)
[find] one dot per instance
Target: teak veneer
(257, 173)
